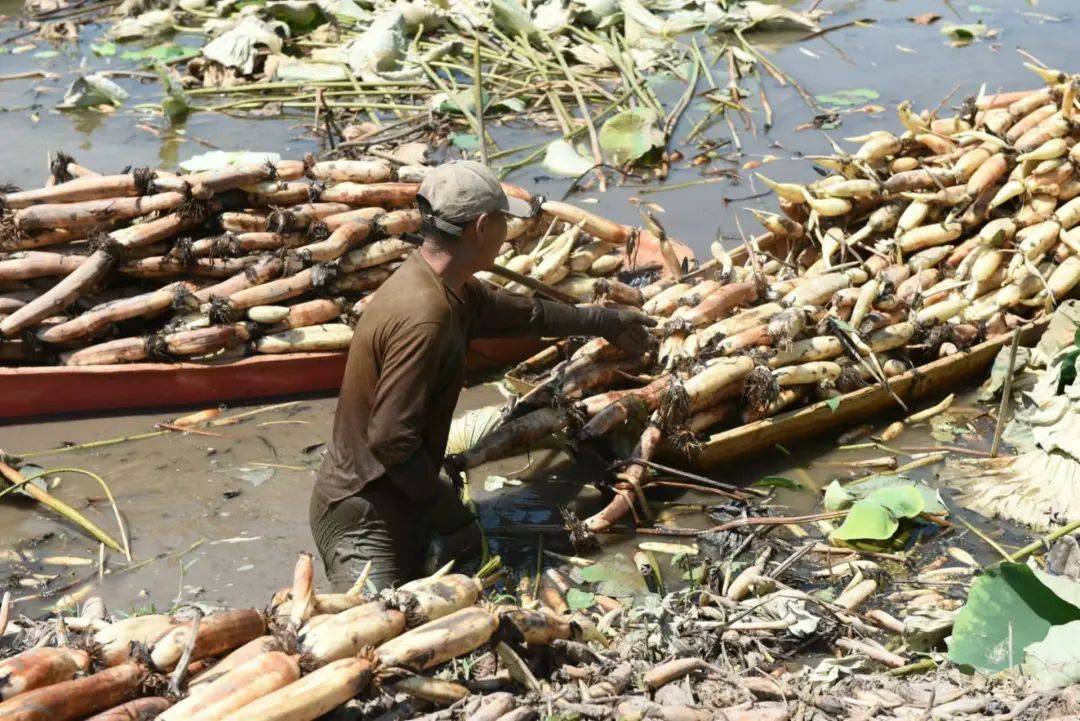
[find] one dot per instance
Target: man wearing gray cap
(379, 495)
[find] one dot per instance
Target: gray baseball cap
(461, 191)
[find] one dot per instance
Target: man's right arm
(407, 379)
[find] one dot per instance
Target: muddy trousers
(382, 525)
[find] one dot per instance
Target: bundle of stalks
(917, 246)
(272, 258)
(318, 655)
(718, 649)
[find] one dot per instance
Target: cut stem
(1045, 541)
(478, 98)
(16, 478)
(1006, 392)
(594, 140)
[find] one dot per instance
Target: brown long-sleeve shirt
(405, 369)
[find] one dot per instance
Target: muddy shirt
(405, 369)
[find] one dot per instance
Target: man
(378, 495)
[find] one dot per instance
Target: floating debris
(577, 67)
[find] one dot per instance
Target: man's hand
(627, 329)
(453, 467)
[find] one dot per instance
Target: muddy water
(176, 491)
(216, 519)
(220, 519)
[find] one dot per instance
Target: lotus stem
(108, 494)
(594, 140)
(478, 99)
(1045, 541)
(16, 478)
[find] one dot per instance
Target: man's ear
(483, 224)
(490, 224)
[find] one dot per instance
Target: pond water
(888, 60)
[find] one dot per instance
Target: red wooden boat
(46, 390)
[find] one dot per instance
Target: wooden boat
(935, 378)
(930, 379)
(748, 440)
(44, 390)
